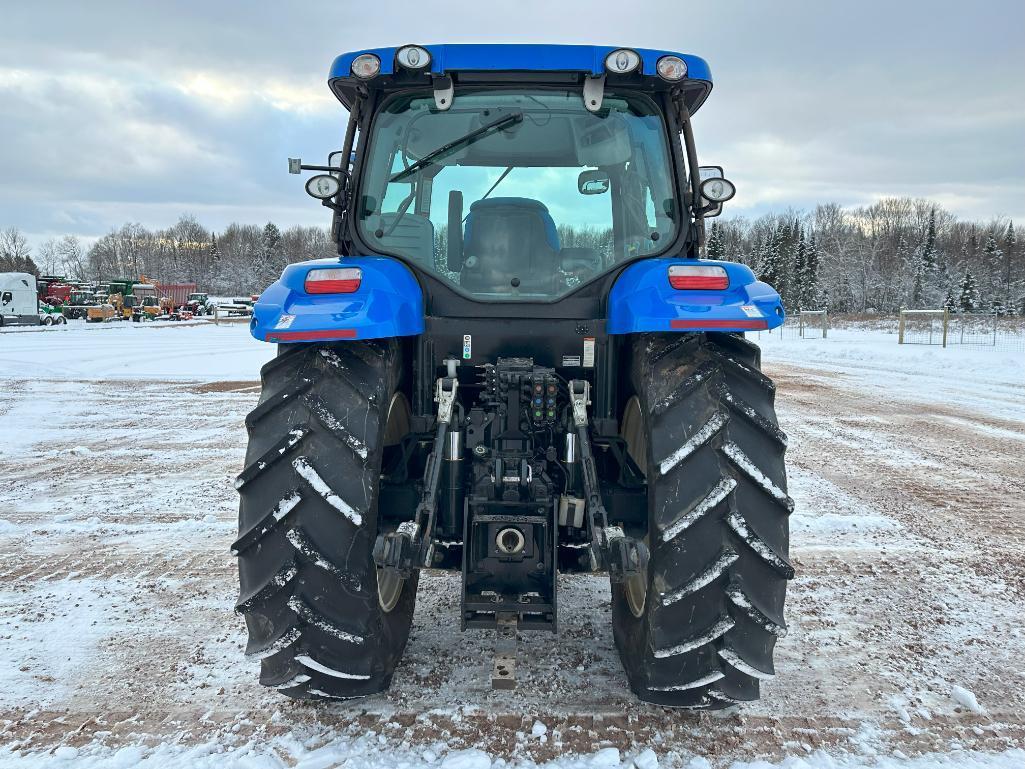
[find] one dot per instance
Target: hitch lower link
(411, 545)
(622, 556)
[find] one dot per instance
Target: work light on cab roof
(517, 365)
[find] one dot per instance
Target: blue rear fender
(389, 302)
(643, 300)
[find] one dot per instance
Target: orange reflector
(334, 280)
(698, 277)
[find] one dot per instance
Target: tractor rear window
(518, 195)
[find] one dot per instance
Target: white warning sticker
(751, 311)
(588, 352)
(284, 321)
(467, 346)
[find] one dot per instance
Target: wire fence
(914, 327)
(813, 324)
(943, 328)
(804, 324)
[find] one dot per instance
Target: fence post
(217, 316)
(825, 323)
(946, 320)
(900, 329)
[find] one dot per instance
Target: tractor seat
(506, 239)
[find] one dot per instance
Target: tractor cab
(517, 175)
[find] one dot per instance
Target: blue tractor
(517, 365)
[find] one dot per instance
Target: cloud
(117, 111)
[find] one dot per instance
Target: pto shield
(387, 302)
(643, 299)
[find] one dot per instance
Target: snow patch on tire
(312, 477)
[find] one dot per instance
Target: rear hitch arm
(611, 549)
(411, 545)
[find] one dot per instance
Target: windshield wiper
(456, 144)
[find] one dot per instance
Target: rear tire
(308, 521)
(699, 628)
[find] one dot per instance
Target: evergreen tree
(770, 269)
(913, 265)
(715, 247)
(271, 239)
(813, 294)
(214, 253)
(917, 291)
(1010, 246)
(950, 303)
(969, 300)
(1010, 251)
(993, 258)
(797, 287)
(929, 259)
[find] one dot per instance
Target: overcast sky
(141, 111)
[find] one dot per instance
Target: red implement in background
(178, 293)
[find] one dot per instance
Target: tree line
(240, 259)
(897, 253)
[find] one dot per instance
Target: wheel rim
(389, 584)
(635, 589)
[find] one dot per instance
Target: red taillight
(698, 277)
(334, 280)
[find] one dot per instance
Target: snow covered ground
(165, 350)
(118, 647)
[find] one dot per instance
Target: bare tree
(15, 253)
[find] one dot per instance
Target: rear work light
(336, 280)
(698, 277)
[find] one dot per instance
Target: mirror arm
(692, 155)
(339, 204)
(332, 169)
(698, 225)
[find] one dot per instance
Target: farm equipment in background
(122, 286)
(51, 314)
(78, 304)
(471, 385)
(55, 286)
(174, 295)
(198, 303)
(100, 313)
(142, 303)
(123, 305)
(149, 308)
(237, 307)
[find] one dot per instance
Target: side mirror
(335, 160)
(593, 182)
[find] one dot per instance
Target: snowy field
(119, 647)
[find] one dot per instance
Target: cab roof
(530, 63)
